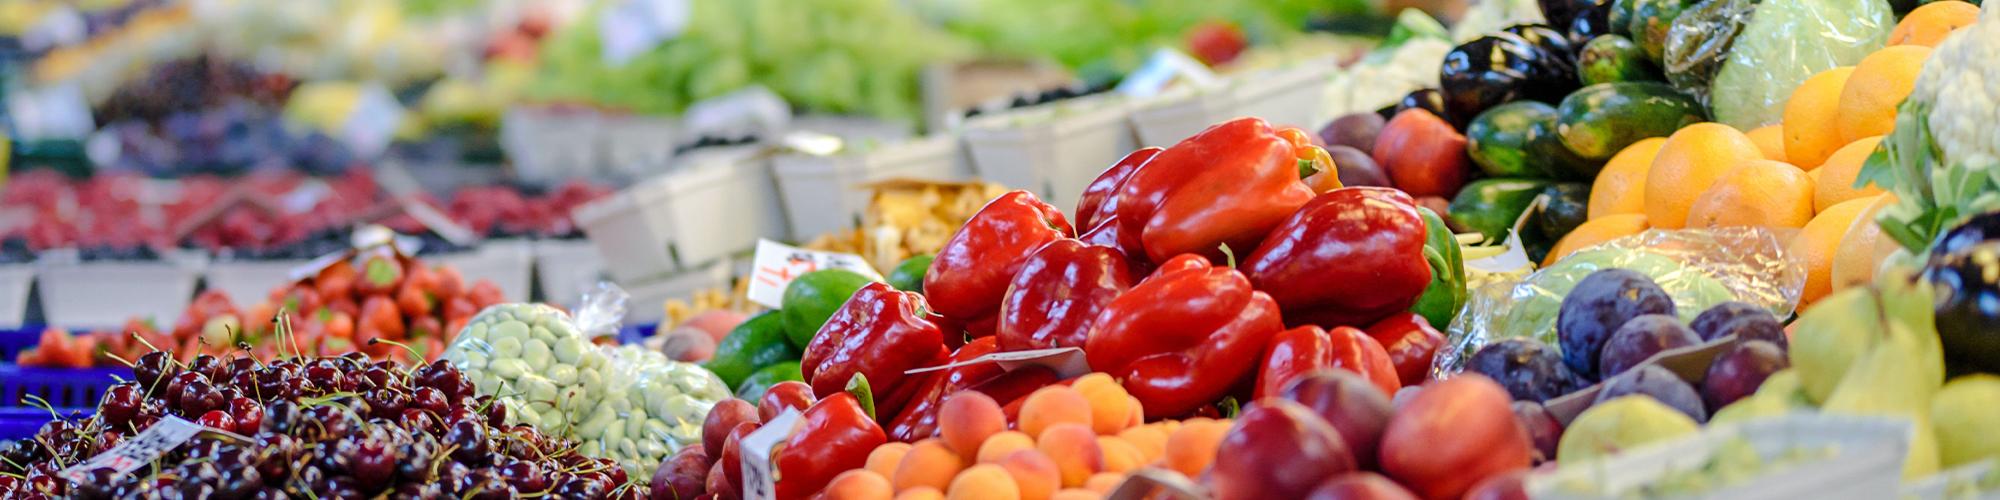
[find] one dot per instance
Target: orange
(1688, 163)
(1863, 248)
(1756, 193)
(1770, 140)
(1836, 177)
(1596, 231)
(1620, 187)
(1929, 24)
(1815, 246)
(1812, 128)
(1879, 84)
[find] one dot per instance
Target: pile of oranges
(1799, 173)
(1069, 442)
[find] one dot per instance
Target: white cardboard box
(823, 194)
(15, 282)
(634, 145)
(1291, 96)
(103, 294)
(1181, 112)
(647, 302)
(710, 206)
(549, 146)
(567, 268)
(1867, 461)
(1053, 149)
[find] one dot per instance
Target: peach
(1000, 445)
(983, 482)
(886, 457)
(1073, 446)
(1053, 405)
(929, 463)
(966, 419)
(1035, 473)
(858, 484)
(1192, 447)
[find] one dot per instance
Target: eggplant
(1563, 12)
(1506, 66)
(1964, 273)
(1590, 24)
(1428, 100)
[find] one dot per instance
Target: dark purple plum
(1660, 384)
(1529, 369)
(1596, 307)
(1543, 428)
(1641, 338)
(1743, 320)
(1740, 370)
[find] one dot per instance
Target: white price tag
(777, 264)
(137, 451)
(634, 26)
(1516, 256)
(1066, 361)
(373, 122)
(760, 478)
(1161, 70)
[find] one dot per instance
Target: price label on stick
(760, 478)
(777, 264)
(137, 451)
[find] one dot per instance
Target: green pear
(1785, 386)
(1827, 339)
(1759, 405)
(1963, 415)
(1898, 377)
(1619, 424)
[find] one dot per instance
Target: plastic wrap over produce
(1744, 57)
(623, 403)
(1697, 267)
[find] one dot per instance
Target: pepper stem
(1307, 169)
(858, 386)
(1227, 254)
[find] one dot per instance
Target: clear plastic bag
(1697, 267)
(1776, 46)
(623, 403)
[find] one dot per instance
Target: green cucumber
(1613, 58)
(1518, 139)
(1490, 206)
(1651, 20)
(1598, 121)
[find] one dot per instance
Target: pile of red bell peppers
(1219, 268)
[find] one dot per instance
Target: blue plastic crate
(635, 334)
(63, 388)
(22, 423)
(15, 340)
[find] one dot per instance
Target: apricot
(929, 463)
(1053, 405)
(998, 446)
(920, 493)
(886, 457)
(983, 482)
(1035, 473)
(1073, 446)
(859, 484)
(966, 420)
(1119, 454)
(1192, 447)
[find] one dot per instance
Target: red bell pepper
(1299, 351)
(970, 274)
(1350, 257)
(918, 419)
(1058, 293)
(880, 332)
(1184, 337)
(1229, 184)
(1099, 201)
(835, 435)
(1411, 343)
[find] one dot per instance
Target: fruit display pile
(299, 427)
(1616, 238)
(265, 215)
(345, 307)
